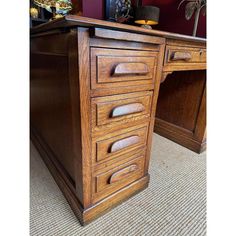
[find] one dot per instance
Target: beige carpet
(173, 205)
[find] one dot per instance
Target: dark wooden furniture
(181, 107)
(94, 89)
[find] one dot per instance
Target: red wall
(94, 8)
(171, 19)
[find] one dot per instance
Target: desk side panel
(50, 97)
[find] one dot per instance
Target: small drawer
(109, 182)
(184, 55)
(112, 111)
(120, 145)
(112, 68)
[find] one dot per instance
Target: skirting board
(85, 216)
(179, 135)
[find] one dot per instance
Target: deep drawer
(111, 111)
(110, 181)
(112, 68)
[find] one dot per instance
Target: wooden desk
(94, 89)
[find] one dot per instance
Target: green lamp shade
(147, 15)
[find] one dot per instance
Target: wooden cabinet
(92, 112)
(94, 88)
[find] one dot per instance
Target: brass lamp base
(146, 26)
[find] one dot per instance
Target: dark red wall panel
(94, 8)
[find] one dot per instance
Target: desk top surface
(77, 21)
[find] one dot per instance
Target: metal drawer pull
(131, 68)
(122, 173)
(123, 143)
(127, 109)
(180, 56)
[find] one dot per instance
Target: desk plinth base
(179, 135)
(85, 216)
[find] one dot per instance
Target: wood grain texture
(181, 108)
(85, 107)
(51, 113)
(179, 135)
(105, 64)
(120, 145)
(103, 107)
(119, 35)
(157, 75)
(110, 181)
(180, 98)
(118, 44)
(184, 58)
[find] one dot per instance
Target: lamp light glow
(147, 16)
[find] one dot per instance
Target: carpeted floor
(174, 204)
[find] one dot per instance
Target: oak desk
(94, 89)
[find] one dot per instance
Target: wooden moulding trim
(119, 35)
(174, 42)
(85, 108)
(184, 67)
(113, 44)
(164, 75)
(179, 135)
(157, 77)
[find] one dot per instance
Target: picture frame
(118, 10)
(110, 10)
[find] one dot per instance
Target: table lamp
(147, 16)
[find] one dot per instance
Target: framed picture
(118, 10)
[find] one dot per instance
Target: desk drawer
(184, 55)
(112, 111)
(110, 181)
(119, 145)
(112, 68)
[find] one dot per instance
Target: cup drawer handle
(180, 56)
(123, 143)
(127, 109)
(131, 68)
(117, 176)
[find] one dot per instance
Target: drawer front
(184, 55)
(110, 181)
(112, 111)
(118, 68)
(120, 145)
